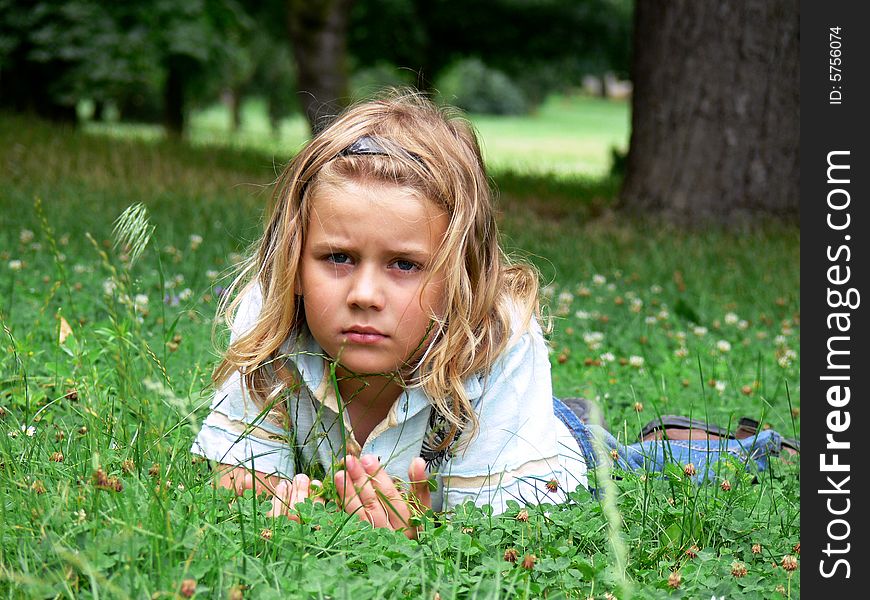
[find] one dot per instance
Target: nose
(366, 289)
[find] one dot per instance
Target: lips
(359, 334)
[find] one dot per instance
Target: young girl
(381, 325)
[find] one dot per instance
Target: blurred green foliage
(154, 60)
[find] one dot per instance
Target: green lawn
(646, 320)
(566, 135)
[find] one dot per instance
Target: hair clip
(364, 145)
(367, 145)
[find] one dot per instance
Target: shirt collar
(310, 361)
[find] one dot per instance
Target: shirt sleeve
(515, 455)
(236, 431)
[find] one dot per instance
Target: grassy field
(540, 144)
(101, 498)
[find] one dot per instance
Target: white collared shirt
(520, 448)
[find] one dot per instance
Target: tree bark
(318, 34)
(715, 112)
(173, 97)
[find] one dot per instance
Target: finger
(420, 482)
(279, 501)
(348, 497)
(386, 493)
(299, 494)
(239, 480)
(360, 472)
(362, 482)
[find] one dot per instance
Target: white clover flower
(16, 265)
(109, 287)
(680, 335)
(140, 300)
(185, 294)
(26, 236)
(731, 318)
(779, 340)
(566, 297)
(655, 289)
(681, 352)
(28, 431)
(178, 279)
(80, 268)
(723, 346)
(720, 386)
(635, 361)
(786, 358)
(608, 357)
(80, 515)
(211, 274)
(611, 287)
(786, 331)
(636, 305)
(235, 258)
(593, 339)
(663, 315)
(547, 291)
(195, 241)
(742, 324)
(650, 320)
(699, 330)
(36, 246)
(583, 315)
(599, 279)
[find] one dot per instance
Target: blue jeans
(652, 456)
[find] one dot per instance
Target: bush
(476, 88)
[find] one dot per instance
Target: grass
(647, 321)
(541, 144)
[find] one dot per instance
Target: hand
(240, 479)
(365, 489)
(289, 493)
(285, 494)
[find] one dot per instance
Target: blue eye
(406, 265)
(338, 258)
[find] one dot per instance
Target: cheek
(431, 300)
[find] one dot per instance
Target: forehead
(356, 209)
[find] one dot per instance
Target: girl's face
(367, 252)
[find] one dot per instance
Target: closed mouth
(364, 331)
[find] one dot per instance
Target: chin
(367, 367)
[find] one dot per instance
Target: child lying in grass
(381, 325)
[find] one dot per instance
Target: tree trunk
(318, 34)
(173, 97)
(715, 112)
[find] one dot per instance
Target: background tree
(715, 111)
(318, 34)
(54, 52)
(544, 45)
(151, 58)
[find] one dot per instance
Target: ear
(297, 286)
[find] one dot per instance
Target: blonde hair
(434, 152)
